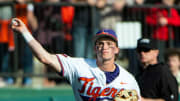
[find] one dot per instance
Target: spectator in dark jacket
(156, 81)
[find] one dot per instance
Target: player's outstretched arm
(43, 56)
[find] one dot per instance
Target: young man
(156, 81)
(91, 80)
(172, 57)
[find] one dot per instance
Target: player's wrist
(27, 36)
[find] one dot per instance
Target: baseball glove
(126, 95)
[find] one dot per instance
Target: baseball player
(91, 80)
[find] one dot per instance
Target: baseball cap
(107, 33)
(145, 43)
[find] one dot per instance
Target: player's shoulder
(91, 62)
(124, 72)
(65, 56)
(77, 60)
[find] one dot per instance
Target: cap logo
(103, 33)
(145, 41)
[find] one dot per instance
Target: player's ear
(117, 50)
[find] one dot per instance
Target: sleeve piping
(61, 65)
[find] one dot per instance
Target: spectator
(110, 15)
(6, 42)
(172, 57)
(50, 26)
(67, 16)
(160, 20)
(52, 31)
(156, 81)
(83, 29)
(26, 14)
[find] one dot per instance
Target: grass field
(62, 93)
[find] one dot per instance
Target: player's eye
(99, 43)
(109, 43)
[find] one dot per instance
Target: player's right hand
(18, 26)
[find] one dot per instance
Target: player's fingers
(16, 22)
(17, 25)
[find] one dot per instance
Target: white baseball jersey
(89, 81)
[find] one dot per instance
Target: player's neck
(107, 66)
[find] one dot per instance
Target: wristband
(27, 36)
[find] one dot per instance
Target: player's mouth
(105, 52)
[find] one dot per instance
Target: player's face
(148, 56)
(106, 49)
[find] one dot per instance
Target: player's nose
(105, 46)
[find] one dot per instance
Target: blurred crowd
(70, 29)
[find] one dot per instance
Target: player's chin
(106, 58)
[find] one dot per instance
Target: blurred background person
(54, 32)
(161, 20)
(25, 12)
(172, 57)
(156, 81)
(67, 17)
(83, 28)
(7, 45)
(110, 15)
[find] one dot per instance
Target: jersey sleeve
(69, 66)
